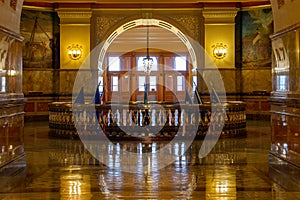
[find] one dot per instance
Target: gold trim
(146, 9)
(79, 24)
(219, 15)
(38, 8)
(74, 14)
(256, 7)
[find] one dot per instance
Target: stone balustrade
(150, 122)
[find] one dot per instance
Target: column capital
(219, 15)
(74, 16)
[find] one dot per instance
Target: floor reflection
(235, 169)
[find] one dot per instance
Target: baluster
(182, 115)
(84, 115)
(170, 117)
(187, 116)
(124, 117)
(206, 120)
(164, 117)
(160, 117)
(200, 118)
(153, 117)
(140, 114)
(118, 117)
(193, 120)
(176, 117)
(109, 118)
(135, 118)
(94, 118)
(130, 118)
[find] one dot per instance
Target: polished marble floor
(239, 168)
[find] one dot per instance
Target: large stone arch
(188, 42)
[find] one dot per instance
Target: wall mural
(256, 44)
(40, 38)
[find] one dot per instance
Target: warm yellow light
(219, 50)
(74, 51)
(11, 72)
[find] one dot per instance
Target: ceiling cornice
(114, 4)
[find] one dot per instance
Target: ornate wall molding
(103, 24)
(191, 23)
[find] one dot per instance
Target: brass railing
(159, 121)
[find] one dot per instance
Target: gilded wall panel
(104, 24)
(191, 22)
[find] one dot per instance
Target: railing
(153, 121)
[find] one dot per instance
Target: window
(152, 83)
(180, 63)
(140, 64)
(115, 83)
(3, 84)
(141, 83)
(114, 63)
(282, 83)
(180, 83)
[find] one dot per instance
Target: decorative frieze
(191, 23)
(103, 24)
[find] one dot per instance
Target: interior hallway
(236, 169)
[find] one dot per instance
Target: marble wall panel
(229, 80)
(259, 79)
(83, 78)
(38, 81)
(67, 79)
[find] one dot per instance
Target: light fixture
(11, 72)
(74, 51)
(219, 50)
(147, 61)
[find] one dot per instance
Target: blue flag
(188, 98)
(214, 96)
(97, 97)
(80, 97)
